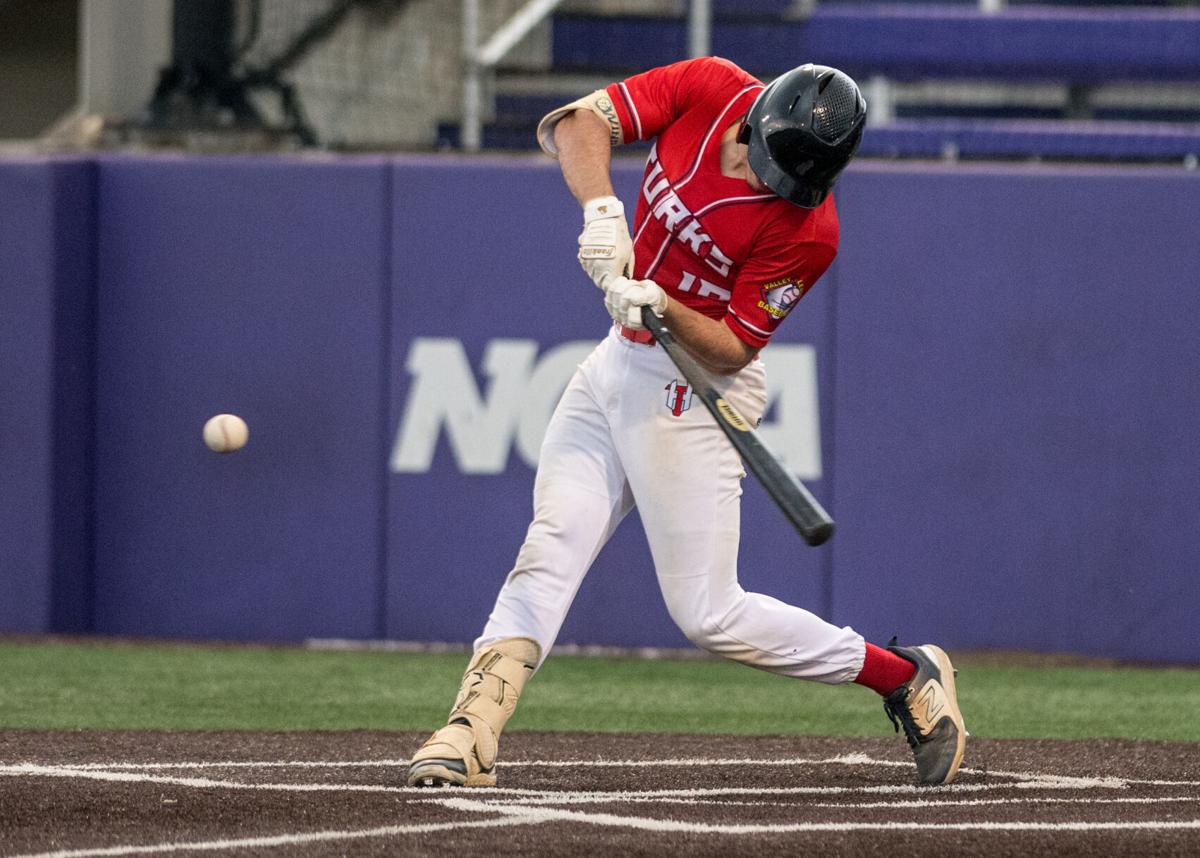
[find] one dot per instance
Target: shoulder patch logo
(779, 296)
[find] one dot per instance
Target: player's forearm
(585, 155)
(709, 341)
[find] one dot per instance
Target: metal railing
(481, 59)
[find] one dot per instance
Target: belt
(643, 336)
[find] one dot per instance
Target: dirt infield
(325, 794)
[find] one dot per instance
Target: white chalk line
(621, 798)
(513, 816)
(865, 805)
(529, 797)
(200, 783)
(1020, 780)
(551, 795)
(559, 796)
(974, 802)
(237, 764)
(844, 759)
(524, 806)
(673, 825)
(289, 839)
(29, 769)
(589, 797)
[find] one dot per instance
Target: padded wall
(256, 286)
(1005, 371)
(1017, 398)
(46, 316)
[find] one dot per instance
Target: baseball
(225, 433)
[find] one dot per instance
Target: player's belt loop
(643, 337)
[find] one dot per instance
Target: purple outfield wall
(46, 359)
(994, 391)
(1018, 386)
(258, 287)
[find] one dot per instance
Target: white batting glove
(605, 248)
(624, 299)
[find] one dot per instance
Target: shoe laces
(900, 716)
(899, 713)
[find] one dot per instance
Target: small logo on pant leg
(679, 396)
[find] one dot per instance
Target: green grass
(121, 685)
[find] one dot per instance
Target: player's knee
(703, 623)
(685, 611)
(701, 628)
(695, 630)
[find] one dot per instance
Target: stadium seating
(1078, 46)
(1050, 139)
(1075, 48)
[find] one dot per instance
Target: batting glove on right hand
(624, 299)
(605, 248)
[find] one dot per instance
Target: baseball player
(734, 224)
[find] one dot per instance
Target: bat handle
(789, 494)
(654, 324)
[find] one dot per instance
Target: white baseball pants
(614, 442)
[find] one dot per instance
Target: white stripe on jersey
(637, 120)
(747, 325)
(717, 123)
(658, 257)
(751, 198)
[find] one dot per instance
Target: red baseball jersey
(709, 240)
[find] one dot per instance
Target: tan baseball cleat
(463, 753)
(927, 708)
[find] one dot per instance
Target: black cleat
(927, 709)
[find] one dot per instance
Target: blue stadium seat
(1077, 47)
(1051, 139)
(911, 42)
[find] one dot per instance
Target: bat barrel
(819, 534)
(790, 495)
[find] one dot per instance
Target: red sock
(884, 671)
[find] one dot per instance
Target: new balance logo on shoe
(928, 705)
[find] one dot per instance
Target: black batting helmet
(802, 130)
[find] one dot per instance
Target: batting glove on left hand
(624, 299)
(605, 248)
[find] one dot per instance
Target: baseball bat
(789, 494)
